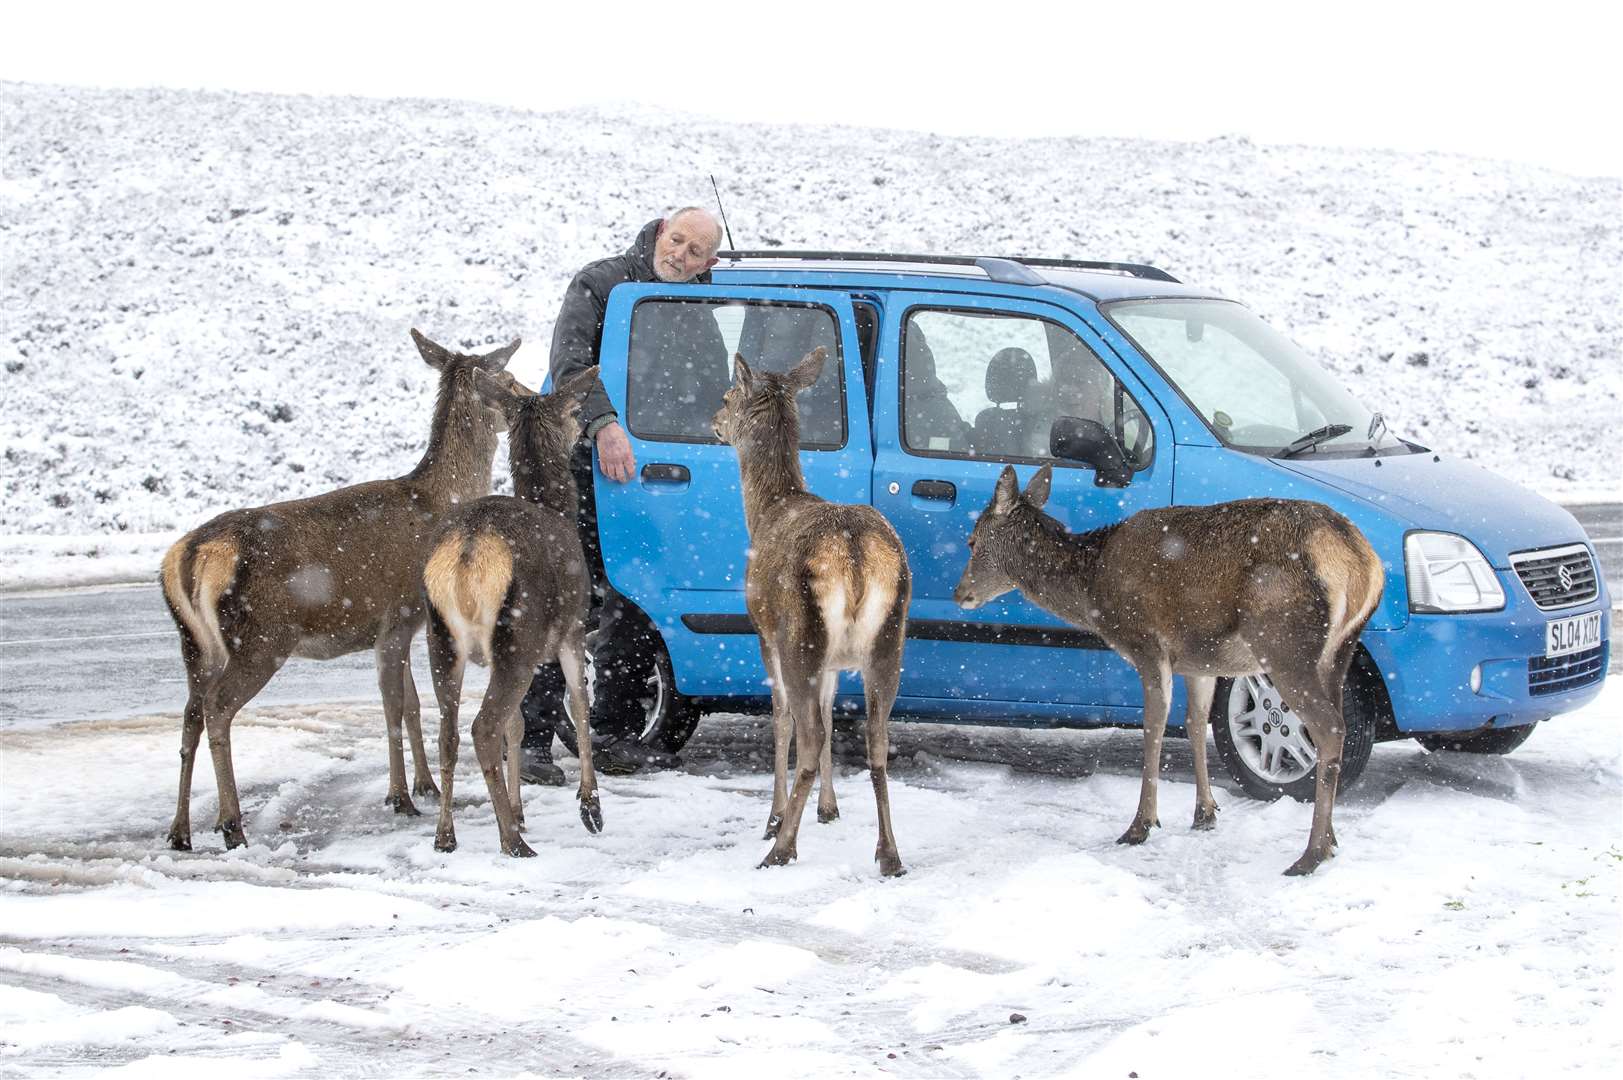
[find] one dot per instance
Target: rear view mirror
(1088, 442)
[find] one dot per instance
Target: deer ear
(742, 375)
(1007, 491)
(436, 356)
(578, 385)
(806, 373)
(495, 361)
(1037, 490)
(498, 391)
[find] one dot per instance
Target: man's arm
(575, 340)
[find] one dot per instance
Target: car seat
(1000, 428)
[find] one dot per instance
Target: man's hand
(614, 456)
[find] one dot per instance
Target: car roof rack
(1009, 269)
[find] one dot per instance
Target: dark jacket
(578, 333)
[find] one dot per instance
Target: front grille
(1557, 577)
(1558, 674)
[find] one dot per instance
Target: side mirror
(1088, 442)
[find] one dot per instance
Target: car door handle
(659, 472)
(939, 490)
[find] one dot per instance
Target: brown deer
(506, 586)
(1276, 586)
(827, 588)
(321, 577)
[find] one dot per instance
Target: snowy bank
(205, 297)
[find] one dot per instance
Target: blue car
(1141, 391)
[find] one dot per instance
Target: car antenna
(729, 231)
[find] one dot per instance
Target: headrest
(1010, 375)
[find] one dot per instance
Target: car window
(992, 385)
(680, 364)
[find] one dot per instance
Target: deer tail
(195, 575)
(1352, 577)
(466, 580)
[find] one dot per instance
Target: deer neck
(457, 465)
(544, 480)
(770, 474)
(1057, 569)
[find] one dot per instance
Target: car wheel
(1265, 746)
(664, 719)
(1486, 741)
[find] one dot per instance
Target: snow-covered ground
(1469, 927)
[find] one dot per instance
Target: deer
(1280, 587)
(506, 586)
(321, 577)
(827, 589)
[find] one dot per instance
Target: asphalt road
(111, 651)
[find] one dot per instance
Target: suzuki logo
(1565, 574)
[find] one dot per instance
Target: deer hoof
(180, 841)
(445, 842)
(773, 824)
(1136, 833)
(828, 815)
(1308, 863)
(234, 837)
(402, 804)
(1205, 817)
(591, 814)
(778, 856)
(425, 789)
(518, 849)
(890, 864)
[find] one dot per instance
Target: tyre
(1265, 747)
(662, 718)
(1486, 741)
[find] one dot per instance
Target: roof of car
(1100, 281)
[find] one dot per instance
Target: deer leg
(802, 699)
(1155, 676)
(1200, 689)
(506, 690)
(1321, 712)
(244, 676)
(780, 743)
(572, 659)
(180, 832)
(422, 777)
(389, 684)
(879, 684)
(827, 808)
(447, 668)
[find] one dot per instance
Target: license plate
(1575, 634)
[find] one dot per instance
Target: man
(679, 248)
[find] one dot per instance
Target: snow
(1469, 926)
(204, 300)
(205, 297)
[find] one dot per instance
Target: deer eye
(971, 543)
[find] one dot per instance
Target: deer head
(759, 402)
(542, 430)
(997, 547)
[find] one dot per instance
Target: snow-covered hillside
(205, 296)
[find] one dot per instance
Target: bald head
(687, 244)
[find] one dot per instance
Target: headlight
(1448, 573)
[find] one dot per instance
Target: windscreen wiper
(1314, 438)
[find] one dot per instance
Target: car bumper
(1463, 672)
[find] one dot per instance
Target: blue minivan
(949, 368)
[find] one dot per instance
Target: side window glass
(991, 386)
(680, 365)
